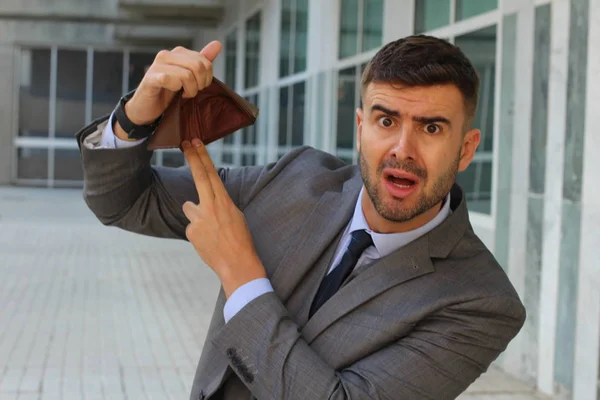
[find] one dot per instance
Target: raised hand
(218, 229)
(171, 71)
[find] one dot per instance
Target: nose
(405, 148)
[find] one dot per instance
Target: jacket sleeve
(123, 189)
(438, 360)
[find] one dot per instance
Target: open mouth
(401, 182)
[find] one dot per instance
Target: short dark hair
(421, 60)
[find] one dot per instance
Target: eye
(432, 129)
(386, 122)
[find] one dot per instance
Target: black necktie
(359, 241)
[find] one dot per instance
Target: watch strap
(133, 131)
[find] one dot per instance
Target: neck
(381, 225)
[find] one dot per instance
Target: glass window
(230, 59)
(138, 65)
(36, 71)
(346, 109)
(470, 8)
(539, 101)
(227, 158)
(299, 91)
(361, 26)
(72, 71)
(291, 115)
(372, 33)
(284, 93)
(249, 135)
(228, 139)
(294, 28)
(285, 46)
(79, 75)
(349, 28)
(32, 163)
(485, 188)
(480, 47)
(107, 86)
(173, 158)
(478, 190)
(67, 165)
(252, 64)
(70, 92)
(34, 93)
(300, 36)
(230, 151)
(249, 159)
(431, 14)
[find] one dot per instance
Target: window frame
(360, 51)
(51, 143)
(289, 82)
(235, 147)
(450, 32)
(354, 61)
(454, 22)
(291, 64)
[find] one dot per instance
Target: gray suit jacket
(421, 323)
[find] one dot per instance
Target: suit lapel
(410, 262)
(329, 216)
(407, 263)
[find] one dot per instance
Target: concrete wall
(196, 3)
(54, 33)
(59, 7)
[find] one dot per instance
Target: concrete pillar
(7, 111)
(587, 337)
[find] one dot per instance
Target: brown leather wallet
(214, 113)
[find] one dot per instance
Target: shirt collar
(387, 243)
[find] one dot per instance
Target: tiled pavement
(91, 312)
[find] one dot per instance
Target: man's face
(411, 144)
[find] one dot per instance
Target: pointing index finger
(216, 183)
(199, 173)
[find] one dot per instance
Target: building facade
(530, 188)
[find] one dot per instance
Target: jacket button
(231, 352)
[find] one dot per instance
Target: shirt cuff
(111, 141)
(244, 295)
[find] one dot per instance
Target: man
(338, 281)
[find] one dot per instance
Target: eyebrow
(423, 120)
(377, 107)
(432, 120)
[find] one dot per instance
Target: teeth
(401, 186)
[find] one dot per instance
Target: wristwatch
(133, 131)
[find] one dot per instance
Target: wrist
(130, 123)
(119, 131)
(135, 116)
(233, 278)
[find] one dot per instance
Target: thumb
(211, 50)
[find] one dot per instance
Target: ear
(469, 147)
(359, 121)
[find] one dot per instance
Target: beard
(398, 210)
